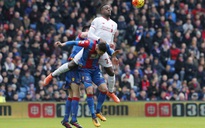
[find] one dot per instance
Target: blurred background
(162, 44)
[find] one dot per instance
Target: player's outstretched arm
(84, 43)
(110, 51)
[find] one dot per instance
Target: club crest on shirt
(94, 56)
(107, 28)
(73, 79)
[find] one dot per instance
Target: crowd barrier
(132, 109)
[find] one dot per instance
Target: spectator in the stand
(147, 42)
(167, 71)
(11, 31)
(157, 66)
(124, 95)
(145, 83)
(125, 82)
(188, 26)
(16, 97)
(34, 15)
(133, 96)
(16, 21)
(137, 78)
(41, 25)
(158, 37)
(195, 85)
(201, 76)
(9, 65)
(165, 53)
(130, 60)
(28, 97)
(176, 81)
(27, 79)
(142, 96)
(130, 33)
(2, 98)
(190, 69)
(148, 72)
(153, 89)
(174, 52)
(55, 14)
(163, 96)
(128, 75)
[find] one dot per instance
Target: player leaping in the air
(73, 81)
(102, 28)
(105, 28)
(90, 72)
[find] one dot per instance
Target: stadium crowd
(162, 48)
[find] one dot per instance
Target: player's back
(104, 28)
(90, 57)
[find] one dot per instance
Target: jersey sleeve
(110, 51)
(93, 27)
(81, 43)
(84, 43)
(94, 23)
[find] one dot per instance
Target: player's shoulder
(97, 19)
(113, 22)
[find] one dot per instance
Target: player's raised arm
(84, 43)
(91, 32)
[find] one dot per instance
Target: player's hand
(112, 45)
(58, 43)
(115, 61)
(115, 53)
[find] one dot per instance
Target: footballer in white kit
(104, 29)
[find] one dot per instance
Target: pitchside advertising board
(135, 109)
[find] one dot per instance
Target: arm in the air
(83, 43)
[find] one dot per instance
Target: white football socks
(63, 68)
(111, 83)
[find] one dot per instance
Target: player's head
(101, 48)
(105, 10)
(85, 28)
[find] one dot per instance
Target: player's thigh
(73, 81)
(75, 89)
(105, 61)
(98, 79)
(78, 56)
(73, 76)
(70, 93)
(86, 80)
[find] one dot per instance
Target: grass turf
(112, 122)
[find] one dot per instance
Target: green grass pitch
(112, 122)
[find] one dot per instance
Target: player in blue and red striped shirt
(90, 72)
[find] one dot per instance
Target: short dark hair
(102, 6)
(102, 47)
(85, 27)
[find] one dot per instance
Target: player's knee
(89, 90)
(103, 88)
(71, 65)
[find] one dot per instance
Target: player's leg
(64, 122)
(89, 90)
(100, 82)
(105, 62)
(64, 68)
(76, 96)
